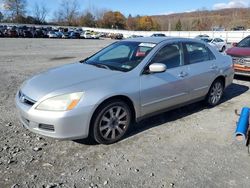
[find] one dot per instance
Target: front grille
(46, 127)
(25, 99)
(241, 60)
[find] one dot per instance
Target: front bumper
(242, 70)
(71, 125)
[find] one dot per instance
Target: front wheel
(215, 93)
(111, 122)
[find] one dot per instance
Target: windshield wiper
(99, 65)
(83, 61)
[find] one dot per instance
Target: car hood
(62, 77)
(237, 51)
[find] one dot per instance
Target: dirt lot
(188, 147)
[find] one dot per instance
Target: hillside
(205, 20)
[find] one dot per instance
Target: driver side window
(170, 55)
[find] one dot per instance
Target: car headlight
(61, 102)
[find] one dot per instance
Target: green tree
(178, 26)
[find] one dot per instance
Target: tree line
(69, 14)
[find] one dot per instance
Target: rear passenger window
(170, 55)
(197, 53)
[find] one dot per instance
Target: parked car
(59, 34)
(240, 53)
(158, 35)
(217, 43)
(86, 35)
(39, 33)
(11, 33)
(52, 34)
(135, 36)
(238, 28)
(27, 34)
(117, 36)
(129, 80)
(74, 35)
(202, 36)
(65, 35)
(95, 35)
(1, 34)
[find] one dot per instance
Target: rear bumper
(229, 77)
(71, 125)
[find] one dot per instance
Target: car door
(166, 89)
(201, 68)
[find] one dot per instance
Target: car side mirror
(157, 68)
(235, 44)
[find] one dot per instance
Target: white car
(52, 34)
(95, 36)
(217, 43)
(86, 35)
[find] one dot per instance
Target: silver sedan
(125, 82)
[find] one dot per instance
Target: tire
(215, 93)
(111, 122)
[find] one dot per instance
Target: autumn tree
(146, 23)
(114, 20)
(131, 23)
(87, 20)
(178, 26)
(67, 13)
(16, 9)
(40, 12)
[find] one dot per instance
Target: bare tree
(15, 8)
(87, 20)
(40, 12)
(68, 12)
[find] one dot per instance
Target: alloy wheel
(113, 123)
(216, 93)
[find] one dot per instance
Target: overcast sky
(143, 7)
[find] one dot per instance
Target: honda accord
(100, 96)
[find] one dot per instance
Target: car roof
(157, 40)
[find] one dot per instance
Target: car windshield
(244, 43)
(206, 40)
(121, 56)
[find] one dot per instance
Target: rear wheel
(111, 122)
(215, 93)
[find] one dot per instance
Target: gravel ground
(188, 147)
